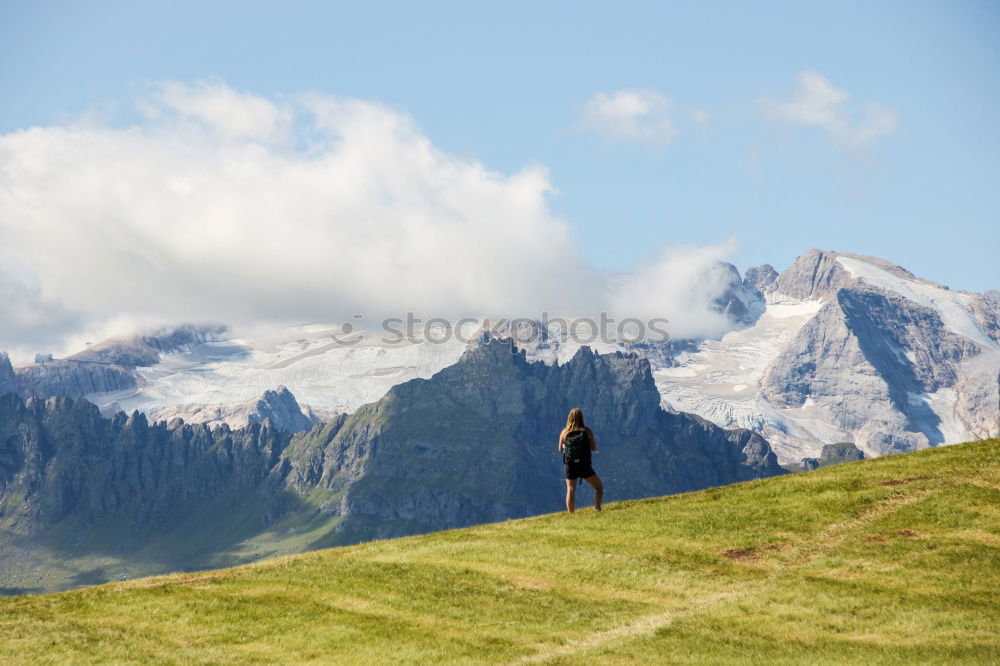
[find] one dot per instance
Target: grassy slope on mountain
(888, 560)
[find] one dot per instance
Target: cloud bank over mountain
(222, 205)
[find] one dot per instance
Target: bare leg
(570, 494)
(598, 490)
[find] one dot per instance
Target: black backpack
(576, 448)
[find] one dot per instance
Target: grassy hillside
(889, 560)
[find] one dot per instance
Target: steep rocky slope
(8, 378)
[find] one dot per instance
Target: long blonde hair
(574, 421)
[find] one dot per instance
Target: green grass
(892, 560)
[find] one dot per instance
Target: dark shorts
(579, 471)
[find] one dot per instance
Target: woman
(576, 442)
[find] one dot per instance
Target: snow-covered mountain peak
(957, 309)
(813, 276)
(849, 348)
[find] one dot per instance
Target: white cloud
(229, 207)
(30, 322)
(220, 108)
(630, 115)
(680, 284)
(819, 103)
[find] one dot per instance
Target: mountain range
(85, 498)
(836, 348)
(190, 448)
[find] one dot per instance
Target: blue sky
(507, 84)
